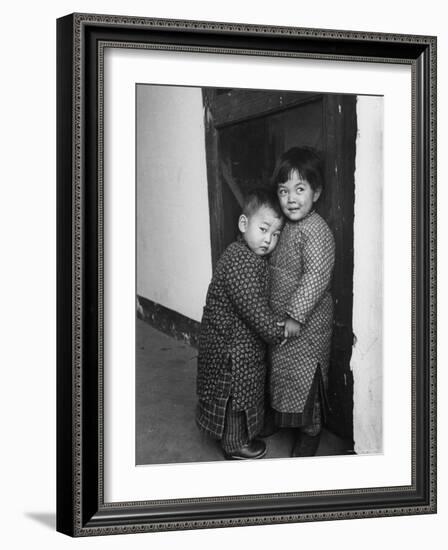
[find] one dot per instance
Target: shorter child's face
(261, 230)
(296, 197)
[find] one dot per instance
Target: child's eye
(281, 191)
(262, 229)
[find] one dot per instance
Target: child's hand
(292, 328)
(282, 324)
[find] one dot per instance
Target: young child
(301, 269)
(236, 324)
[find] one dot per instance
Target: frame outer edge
(433, 270)
(78, 256)
(65, 442)
(248, 28)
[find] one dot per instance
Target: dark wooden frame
(81, 510)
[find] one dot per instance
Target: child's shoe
(269, 426)
(305, 445)
(254, 449)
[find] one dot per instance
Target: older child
(236, 324)
(301, 270)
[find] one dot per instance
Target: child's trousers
(235, 433)
(311, 419)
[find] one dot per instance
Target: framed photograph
(246, 274)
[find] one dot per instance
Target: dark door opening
(246, 131)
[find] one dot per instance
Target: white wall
(173, 228)
(367, 357)
(27, 229)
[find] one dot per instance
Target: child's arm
(246, 291)
(318, 262)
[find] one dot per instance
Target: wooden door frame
(225, 107)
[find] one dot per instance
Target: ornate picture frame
(81, 506)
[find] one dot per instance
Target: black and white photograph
(259, 274)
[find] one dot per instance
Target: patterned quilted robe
(237, 324)
(301, 268)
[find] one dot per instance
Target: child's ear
(242, 223)
(317, 194)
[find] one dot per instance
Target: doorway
(246, 132)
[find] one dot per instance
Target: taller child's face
(296, 197)
(261, 230)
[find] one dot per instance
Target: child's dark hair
(303, 160)
(257, 197)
